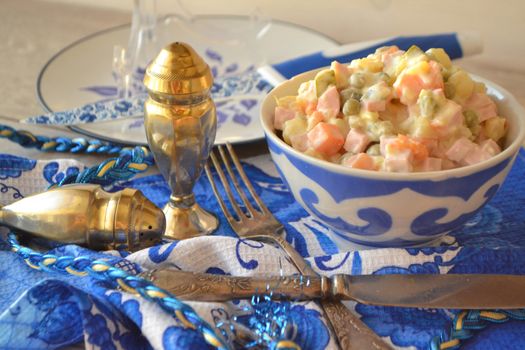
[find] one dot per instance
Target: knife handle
(209, 287)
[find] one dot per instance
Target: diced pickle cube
(495, 128)
(286, 101)
(323, 79)
(439, 55)
(414, 51)
(463, 84)
(450, 90)
(295, 126)
(427, 104)
(472, 122)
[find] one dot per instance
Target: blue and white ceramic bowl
(391, 209)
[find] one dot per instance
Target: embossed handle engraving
(208, 287)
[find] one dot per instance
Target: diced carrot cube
(314, 119)
(404, 143)
(326, 138)
(360, 161)
(422, 76)
(310, 107)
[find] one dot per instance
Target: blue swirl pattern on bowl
(385, 210)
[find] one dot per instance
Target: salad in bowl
(393, 111)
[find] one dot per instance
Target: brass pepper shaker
(87, 215)
(180, 122)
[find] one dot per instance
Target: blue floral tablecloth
(39, 310)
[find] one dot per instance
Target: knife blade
(453, 291)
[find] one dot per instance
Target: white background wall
(501, 23)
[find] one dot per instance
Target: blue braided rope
(59, 144)
(466, 323)
(115, 277)
(130, 162)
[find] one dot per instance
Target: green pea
(374, 150)
(357, 80)
(349, 93)
(351, 107)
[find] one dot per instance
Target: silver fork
(259, 224)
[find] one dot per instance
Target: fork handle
(300, 263)
(350, 331)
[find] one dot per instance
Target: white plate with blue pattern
(81, 73)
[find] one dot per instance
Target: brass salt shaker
(180, 122)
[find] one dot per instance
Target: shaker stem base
(184, 221)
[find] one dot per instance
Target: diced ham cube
(390, 58)
(326, 139)
(476, 155)
(400, 162)
(300, 142)
(356, 141)
(460, 149)
(281, 116)
(342, 73)
(431, 164)
(329, 103)
(374, 106)
(486, 150)
(448, 164)
(384, 141)
(359, 161)
(490, 146)
(483, 105)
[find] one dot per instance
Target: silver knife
(453, 291)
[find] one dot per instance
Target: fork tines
(227, 153)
